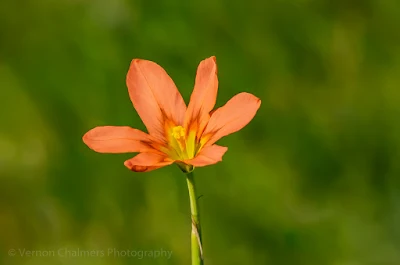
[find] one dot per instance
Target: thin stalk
(197, 248)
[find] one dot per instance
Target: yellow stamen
(178, 132)
(182, 144)
(177, 142)
(190, 144)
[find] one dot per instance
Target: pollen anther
(179, 133)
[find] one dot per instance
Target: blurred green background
(313, 179)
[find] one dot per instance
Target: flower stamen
(178, 141)
(178, 132)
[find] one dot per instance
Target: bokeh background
(313, 179)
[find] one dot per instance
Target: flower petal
(204, 95)
(145, 162)
(154, 96)
(231, 117)
(208, 155)
(119, 139)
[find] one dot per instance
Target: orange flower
(178, 134)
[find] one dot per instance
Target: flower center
(178, 132)
(181, 144)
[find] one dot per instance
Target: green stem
(197, 248)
